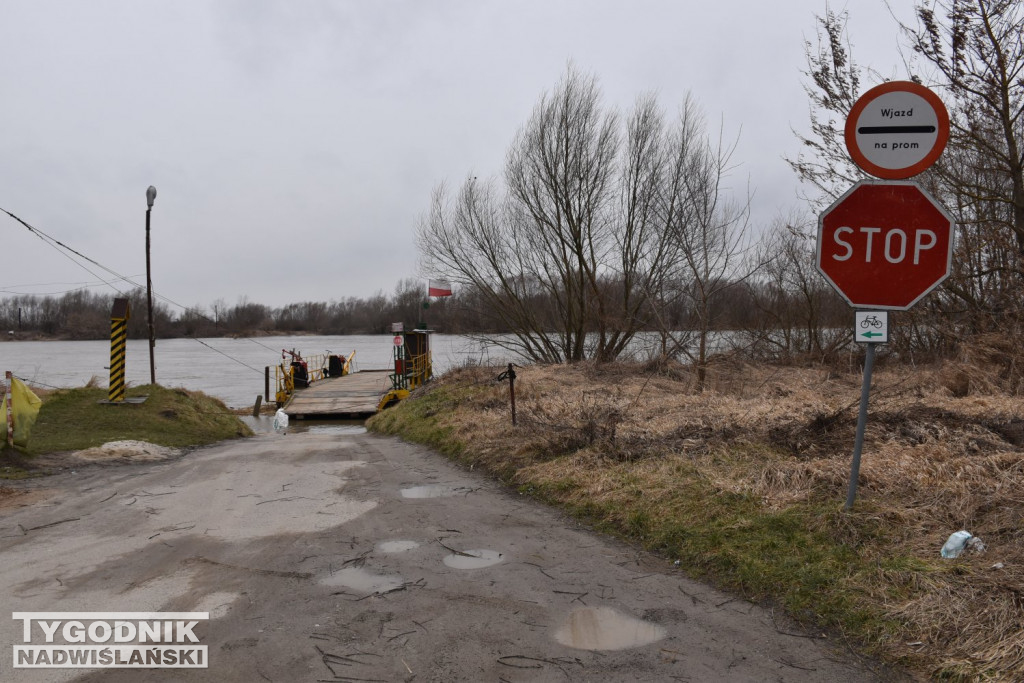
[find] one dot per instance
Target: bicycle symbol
(871, 321)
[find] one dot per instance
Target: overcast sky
(294, 144)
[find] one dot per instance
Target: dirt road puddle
(602, 628)
(334, 429)
(397, 546)
(473, 559)
(217, 604)
(358, 579)
(264, 424)
(434, 491)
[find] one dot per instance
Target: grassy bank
(745, 484)
(74, 419)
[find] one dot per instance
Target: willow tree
(707, 226)
(565, 248)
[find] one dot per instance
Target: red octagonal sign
(885, 244)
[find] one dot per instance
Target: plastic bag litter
(25, 408)
(280, 420)
(955, 544)
(958, 541)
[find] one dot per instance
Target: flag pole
(426, 307)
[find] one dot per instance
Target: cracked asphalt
(328, 556)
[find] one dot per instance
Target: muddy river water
(230, 369)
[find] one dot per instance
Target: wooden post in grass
(512, 391)
(511, 374)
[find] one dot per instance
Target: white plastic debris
(955, 544)
(280, 420)
(137, 451)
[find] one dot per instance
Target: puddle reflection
(602, 628)
(359, 579)
(434, 491)
(473, 559)
(397, 546)
(265, 424)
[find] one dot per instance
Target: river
(230, 369)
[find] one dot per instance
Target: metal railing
(301, 372)
(410, 371)
(420, 370)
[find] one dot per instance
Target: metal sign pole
(862, 421)
(150, 196)
(900, 210)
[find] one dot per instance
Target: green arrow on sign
(869, 335)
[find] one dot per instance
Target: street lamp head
(150, 196)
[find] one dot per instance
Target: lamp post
(150, 196)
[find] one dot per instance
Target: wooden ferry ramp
(349, 396)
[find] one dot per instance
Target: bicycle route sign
(871, 327)
(897, 130)
(884, 245)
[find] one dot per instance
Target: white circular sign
(897, 130)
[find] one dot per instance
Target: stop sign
(884, 244)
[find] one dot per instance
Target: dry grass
(762, 459)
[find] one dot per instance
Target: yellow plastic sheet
(3, 417)
(25, 406)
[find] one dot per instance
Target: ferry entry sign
(897, 130)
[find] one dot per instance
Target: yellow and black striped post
(118, 342)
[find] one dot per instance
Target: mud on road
(325, 556)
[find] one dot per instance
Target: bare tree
(976, 51)
(565, 252)
(978, 48)
(560, 173)
(800, 314)
(832, 86)
(477, 241)
(710, 229)
(973, 50)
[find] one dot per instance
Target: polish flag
(439, 288)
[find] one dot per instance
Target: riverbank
(744, 486)
(73, 426)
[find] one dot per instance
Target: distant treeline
(83, 314)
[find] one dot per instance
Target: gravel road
(345, 556)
